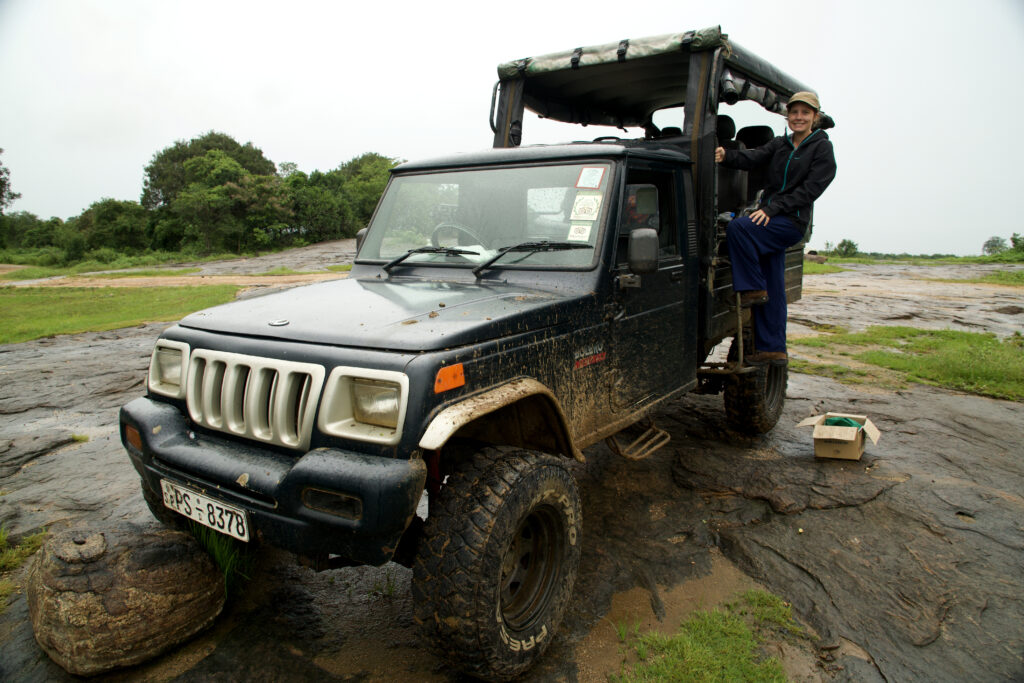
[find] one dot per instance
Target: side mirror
(643, 250)
(360, 236)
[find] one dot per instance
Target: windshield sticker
(586, 206)
(579, 232)
(590, 178)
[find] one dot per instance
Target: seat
(639, 210)
(753, 137)
(732, 182)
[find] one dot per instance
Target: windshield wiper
(530, 248)
(447, 251)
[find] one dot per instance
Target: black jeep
(507, 309)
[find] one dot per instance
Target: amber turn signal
(132, 436)
(449, 377)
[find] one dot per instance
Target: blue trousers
(758, 255)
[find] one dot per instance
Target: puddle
(601, 652)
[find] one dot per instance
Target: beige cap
(808, 98)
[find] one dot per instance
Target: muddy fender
(454, 417)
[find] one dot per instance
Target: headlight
(375, 402)
(364, 404)
(168, 368)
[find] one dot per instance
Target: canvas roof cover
(622, 84)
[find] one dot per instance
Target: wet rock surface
(907, 563)
(104, 599)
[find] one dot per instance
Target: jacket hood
(397, 314)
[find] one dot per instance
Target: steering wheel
(473, 237)
(607, 138)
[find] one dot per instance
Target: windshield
(465, 218)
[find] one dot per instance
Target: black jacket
(796, 177)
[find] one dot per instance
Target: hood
(397, 314)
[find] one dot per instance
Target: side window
(649, 202)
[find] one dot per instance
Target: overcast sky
(926, 95)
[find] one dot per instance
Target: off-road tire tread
(451, 569)
(746, 407)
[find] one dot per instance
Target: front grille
(269, 400)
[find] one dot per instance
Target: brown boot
(767, 358)
(755, 297)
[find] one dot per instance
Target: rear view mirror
(643, 250)
(360, 236)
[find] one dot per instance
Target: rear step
(645, 444)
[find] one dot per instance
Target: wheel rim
(529, 568)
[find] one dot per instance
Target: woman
(800, 167)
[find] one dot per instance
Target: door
(653, 331)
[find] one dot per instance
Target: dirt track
(908, 565)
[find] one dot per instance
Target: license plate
(207, 511)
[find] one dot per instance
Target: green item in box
(842, 422)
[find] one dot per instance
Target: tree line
(997, 245)
(209, 195)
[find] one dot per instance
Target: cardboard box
(845, 443)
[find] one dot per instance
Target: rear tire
(498, 561)
(754, 401)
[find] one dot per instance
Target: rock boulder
(103, 599)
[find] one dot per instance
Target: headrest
(646, 200)
(755, 136)
(726, 128)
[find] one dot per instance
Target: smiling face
(800, 118)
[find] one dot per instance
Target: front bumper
(274, 488)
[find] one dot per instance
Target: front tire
(754, 400)
(163, 514)
(496, 569)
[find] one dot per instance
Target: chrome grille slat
(269, 400)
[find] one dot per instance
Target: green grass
(768, 611)
(1013, 278)
(1008, 256)
(33, 312)
(34, 273)
(88, 270)
(822, 327)
(40, 272)
(863, 260)
(387, 587)
(234, 558)
(12, 557)
(108, 259)
(834, 371)
(972, 362)
(1006, 277)
(717, 645)
(282, 270)
(41, 263)
(148, 272)
(812, 268)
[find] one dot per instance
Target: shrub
(846, 248)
